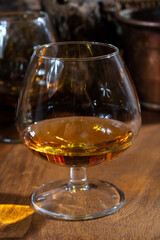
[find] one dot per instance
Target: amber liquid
(78, 141)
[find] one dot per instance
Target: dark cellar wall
(80, 19)
(19, 5)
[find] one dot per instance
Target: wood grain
(137, 172)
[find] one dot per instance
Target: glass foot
(62, 200)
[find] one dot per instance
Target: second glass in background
(20, 34)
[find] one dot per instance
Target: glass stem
(78, 178)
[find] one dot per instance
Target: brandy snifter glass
(77, 108)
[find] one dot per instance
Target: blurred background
(131, 25)
(136, 33)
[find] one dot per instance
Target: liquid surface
(78, 141)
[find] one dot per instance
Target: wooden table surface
(137, 172)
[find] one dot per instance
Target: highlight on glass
(78, 108)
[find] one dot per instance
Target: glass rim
(98, 57)
(9, 16)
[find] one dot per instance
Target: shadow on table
(15, 215)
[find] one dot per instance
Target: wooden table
(137, 172)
